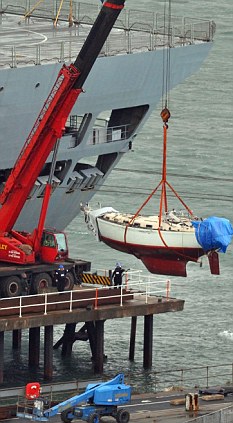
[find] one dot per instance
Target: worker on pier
(117, 275)
(60, 275)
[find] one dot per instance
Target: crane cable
(165, 115)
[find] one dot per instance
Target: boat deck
(170, 223)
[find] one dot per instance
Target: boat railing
(135, 31)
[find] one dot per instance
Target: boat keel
(161, 266)
(213, 258)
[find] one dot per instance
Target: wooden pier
(92, 307)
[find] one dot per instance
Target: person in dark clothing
(117, 275)
(60, 275)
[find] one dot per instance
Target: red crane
(18, 247)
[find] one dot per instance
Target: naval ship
(122, 90)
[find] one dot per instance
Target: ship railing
(134, 31)
(100, 134)
(111, 134)
(132, 19)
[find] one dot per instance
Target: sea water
(200, 167)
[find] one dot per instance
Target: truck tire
(64, 416)
(41, 283)
(122, 416)
(93, 418)
(11, 287)
(69, 284)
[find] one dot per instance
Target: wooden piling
(16, 339)
(68, 339)
(132, 338)
(48, 352)
(92, 338)
(99, 357)
(148, 341)
(34, 347)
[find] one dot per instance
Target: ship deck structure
(122, 90)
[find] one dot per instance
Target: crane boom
(50, 123)
(99, 400)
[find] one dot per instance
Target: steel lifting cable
(165, 115)
(165, 88)
(167, 41)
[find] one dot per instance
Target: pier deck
(90, 306)
(58, 310)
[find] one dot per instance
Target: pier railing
(136, 31)
(135, 285)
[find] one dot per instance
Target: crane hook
(165, 115)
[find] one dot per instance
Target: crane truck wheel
(93, 418)
(122, 416)
(11, 286)
(41, 283)
(69, 283)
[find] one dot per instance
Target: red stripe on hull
(159, 260)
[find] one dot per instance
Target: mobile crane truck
(100, 400)
(28, 260)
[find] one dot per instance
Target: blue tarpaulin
(213, 233)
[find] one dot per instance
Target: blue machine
(97, 401)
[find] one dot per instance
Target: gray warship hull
(122, 90)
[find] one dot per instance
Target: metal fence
(189, 377)
(224, 415)
(137, 286)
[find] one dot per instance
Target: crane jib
(51, 121)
